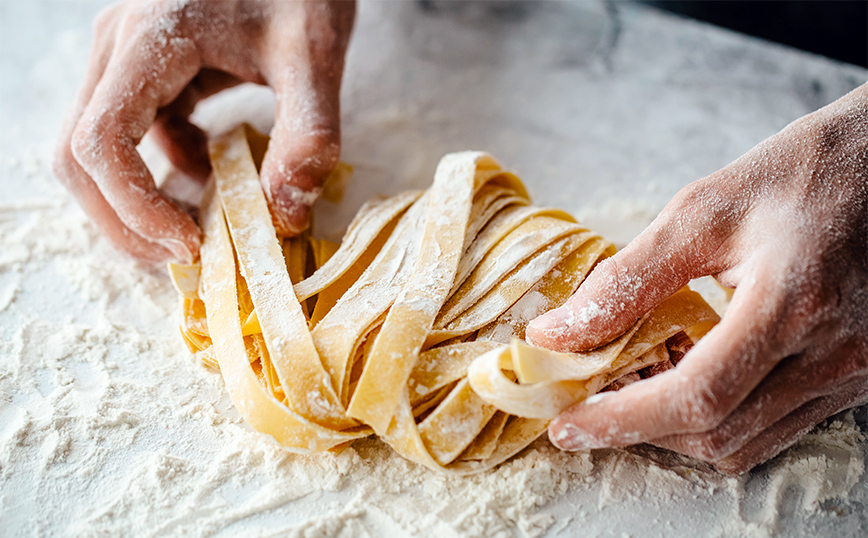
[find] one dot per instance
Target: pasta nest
(411, 327)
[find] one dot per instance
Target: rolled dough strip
(411, 327)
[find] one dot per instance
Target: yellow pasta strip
(259, 409)
(551, 381)
(383, 384)
(186, 279)
(438, 367)
(416, 318)
(551, 291)
(455, 423)
(522, 242)
(366, 235)
(483, 446)
(262, 265)
(251, 325)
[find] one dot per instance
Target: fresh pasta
(410, 329)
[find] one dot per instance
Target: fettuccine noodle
(410, 328)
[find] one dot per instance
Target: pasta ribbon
(411, 327)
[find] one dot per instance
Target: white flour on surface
(108, 427)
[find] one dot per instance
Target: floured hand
(787, 226)
(153, 61)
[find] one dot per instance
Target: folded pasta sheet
(411, 328)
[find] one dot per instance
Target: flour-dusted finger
(148, 69)
(68, 170)
(783, 434)
(706, 386)
(305, 142)
(682, 243)
(816, 373)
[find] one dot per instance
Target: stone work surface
(107, 427)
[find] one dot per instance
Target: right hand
(786, 225)
(151, 63)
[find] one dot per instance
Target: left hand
(153, 61)
(787, 226)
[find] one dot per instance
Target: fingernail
(559, 318)
(565, 316)
(567, 436)
(178, 249)
(292, 208)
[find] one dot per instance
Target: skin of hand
(152, 61)
(786, 225)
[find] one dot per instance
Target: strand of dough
(411, 328)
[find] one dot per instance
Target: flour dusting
(108, 419)
(109, 427)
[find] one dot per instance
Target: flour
(106, 417)
(108, 426)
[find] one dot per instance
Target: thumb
(304, 149)
(622, 289)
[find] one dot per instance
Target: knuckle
(612, 273)
(106, 17)
(313, 155)
(140, 12)
(85, 140)
(827, 135)
(154, 17)
(702, 217)
(691, 196)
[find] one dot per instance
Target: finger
(184, 143)
(305, 141)
(70, 173)
(675, 248)
(772, 441)
(793, 382)
(712, 379)
(137, 80)
(304, 149)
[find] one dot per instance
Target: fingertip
(570, 328)
(567, 435)
(291, 208)
(563, 436)
(547, 330)
(565, 432)
(583, 321)
(293, 172)
(180, 251)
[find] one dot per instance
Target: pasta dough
(410, 328)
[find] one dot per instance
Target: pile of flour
(108, 427)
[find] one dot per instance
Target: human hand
(153, 61)
(786, 225)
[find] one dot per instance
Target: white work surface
(107, 427)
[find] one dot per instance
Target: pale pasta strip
(408, 328)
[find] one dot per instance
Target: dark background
(835, 29)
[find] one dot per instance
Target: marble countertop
(605, 109)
